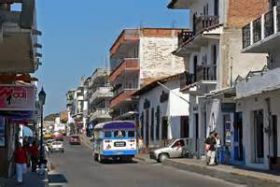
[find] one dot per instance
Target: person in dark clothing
(210, 147)
(34, 155)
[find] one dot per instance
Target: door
(275, 161)
(196, 132)
(147, 129)
(258, 136)
(184, 126)
(164, 129)
(177, 149)
(238, 137)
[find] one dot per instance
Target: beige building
(137, 57)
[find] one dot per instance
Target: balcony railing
(186, 78)
(259, 29)
(128, 64)
(100, 113)
(126, 94)
(204, 22)
(206, 73)
(102, 92)
(184, 36)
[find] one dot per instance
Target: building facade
(213, 58)
(163, 112)
(99, 96)
(19, 56)
(258, 93)
(137, 57)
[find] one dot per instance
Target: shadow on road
(117, 162)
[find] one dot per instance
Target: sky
(77, 36)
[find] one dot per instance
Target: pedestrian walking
(34, 155)
(218, 147)
(21, 160)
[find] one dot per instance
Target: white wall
(247, 106)
(178, 107)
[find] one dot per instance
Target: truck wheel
(163, 157)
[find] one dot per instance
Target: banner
(17, 98)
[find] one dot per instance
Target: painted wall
(257, 103)
(174, 107)
(156, 58)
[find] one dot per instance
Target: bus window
(131, 134)
(119, 134)
(107, 134)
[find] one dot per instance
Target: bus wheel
(95, 157)
(100, 158)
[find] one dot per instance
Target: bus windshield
(119, 134)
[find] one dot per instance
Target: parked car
(49, 142)
(74, 139)
(175, 149)
(57, 146)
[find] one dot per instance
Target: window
(119, 134)
(152, 123)
(216, 7)
(107, 134)
(131, 134)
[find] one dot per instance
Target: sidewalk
(30, 180)
(235, 174)
(86, 141)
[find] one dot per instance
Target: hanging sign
(17, 98)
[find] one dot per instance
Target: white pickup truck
(175, 149)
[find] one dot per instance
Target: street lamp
(42, 100)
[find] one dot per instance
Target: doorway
(164, 129)
(238, 137)
(147, 132)
(258, 136)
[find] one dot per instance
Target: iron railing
(268, 24)
(257, 32)
(184, 36)
(204, 22)
(246, 36)
(208, 72)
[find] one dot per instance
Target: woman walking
(21, 162)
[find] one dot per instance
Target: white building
(163, 111)
(213, 58)
(258, 94)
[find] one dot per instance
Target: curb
(229, 176)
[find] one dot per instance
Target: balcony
(101, 93)
(127, 64)
(100, 113)
(206, 73)
(204, 22)
(184, 36)
(186, 78)
(259, 84)
(262, 35)
(18, 40)
(123, 96)
(99, 75)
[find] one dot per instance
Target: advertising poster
(2, 132)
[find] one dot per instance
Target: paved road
(80, 170)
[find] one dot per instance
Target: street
(80, 170)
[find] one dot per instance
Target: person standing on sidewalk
(21, 162)
(34, 155)
(210, 147)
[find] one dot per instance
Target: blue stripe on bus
(119, 152)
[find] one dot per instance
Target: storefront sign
(17, 98)
(2, 132)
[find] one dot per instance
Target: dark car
(74, 139)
